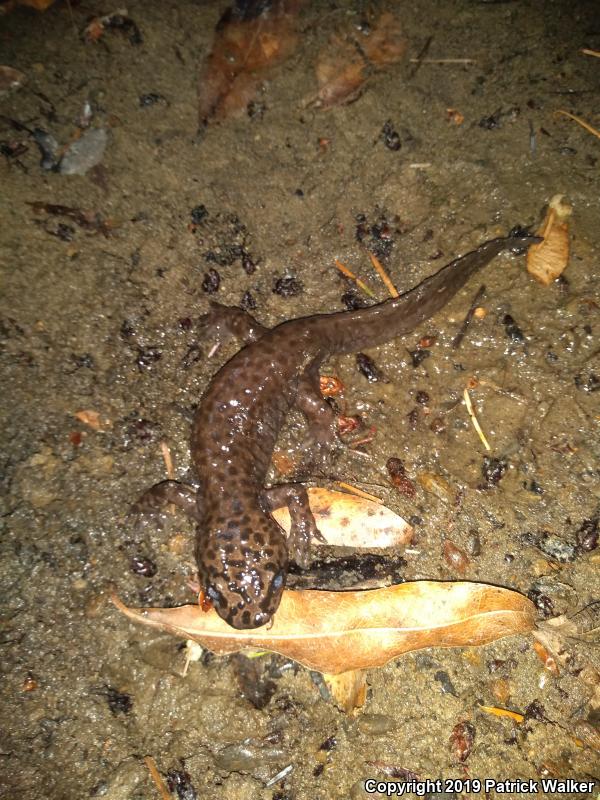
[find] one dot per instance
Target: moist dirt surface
(99, 313)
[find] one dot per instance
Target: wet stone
(248, 756)
(557, 548)
(375, 724)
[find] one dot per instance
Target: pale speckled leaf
(346, 520)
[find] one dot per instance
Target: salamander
(241, 552)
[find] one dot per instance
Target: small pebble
(367, 366)
(248, 756)
(376, 724)
(288, 286)
(211, 281)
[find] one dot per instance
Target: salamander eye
(215, 595)
(278, 580)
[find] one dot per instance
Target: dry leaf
(343, 66)
(386, 43)
(92, 419)
(10, 79)
(245, 46)
(39, 5)
(346, 520)
(348, 689)
(547, 260)
(435, 484)
(334, 632)
(341, 73)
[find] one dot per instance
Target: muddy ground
(101, 318)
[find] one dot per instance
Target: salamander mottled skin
(241, 552)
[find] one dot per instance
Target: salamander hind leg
(152, 504)
(304, 528)
(320, 417)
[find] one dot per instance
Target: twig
(587, 52)
(359, 492)
(420, 61)
(166, 454)
(474, 419)
(503, 712)
(158, 781)
(456, 342)
(361, 285)
(589, 128)
(383, 275)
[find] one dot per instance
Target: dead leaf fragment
(346, 520)
(436, 485)
(548, 259)
(341, 73)
(335, 632)
(503, 712)
(462, 739)
(92, 419)
(346, 63)
(386, 44)
(10, 79)
(348, 689)
(245, 46)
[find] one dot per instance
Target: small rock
(376, 724)
(247, 756)
(85, 153)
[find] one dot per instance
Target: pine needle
(474, 419)
(589, 128)
(166, 454)
(357, 491)
(361, 285)
(383, 275)
(503, 712)
(158, 781)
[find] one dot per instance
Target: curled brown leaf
(335, 632)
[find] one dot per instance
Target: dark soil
(98, 314)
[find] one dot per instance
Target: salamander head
(244, 576)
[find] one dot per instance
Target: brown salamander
(241, 552)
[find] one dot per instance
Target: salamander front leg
(304, 528)
(152, 504)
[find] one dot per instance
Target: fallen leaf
(334, 632)
(92, 419)
(348, 689)
(455, 557)
(386, 43)
(341, 73)
(346, 63)
(462, 739)
(435, 484)
(546, 658)
(10, 79)
(346, 520)
(246, 44)
(548, 259)
(39, 5)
